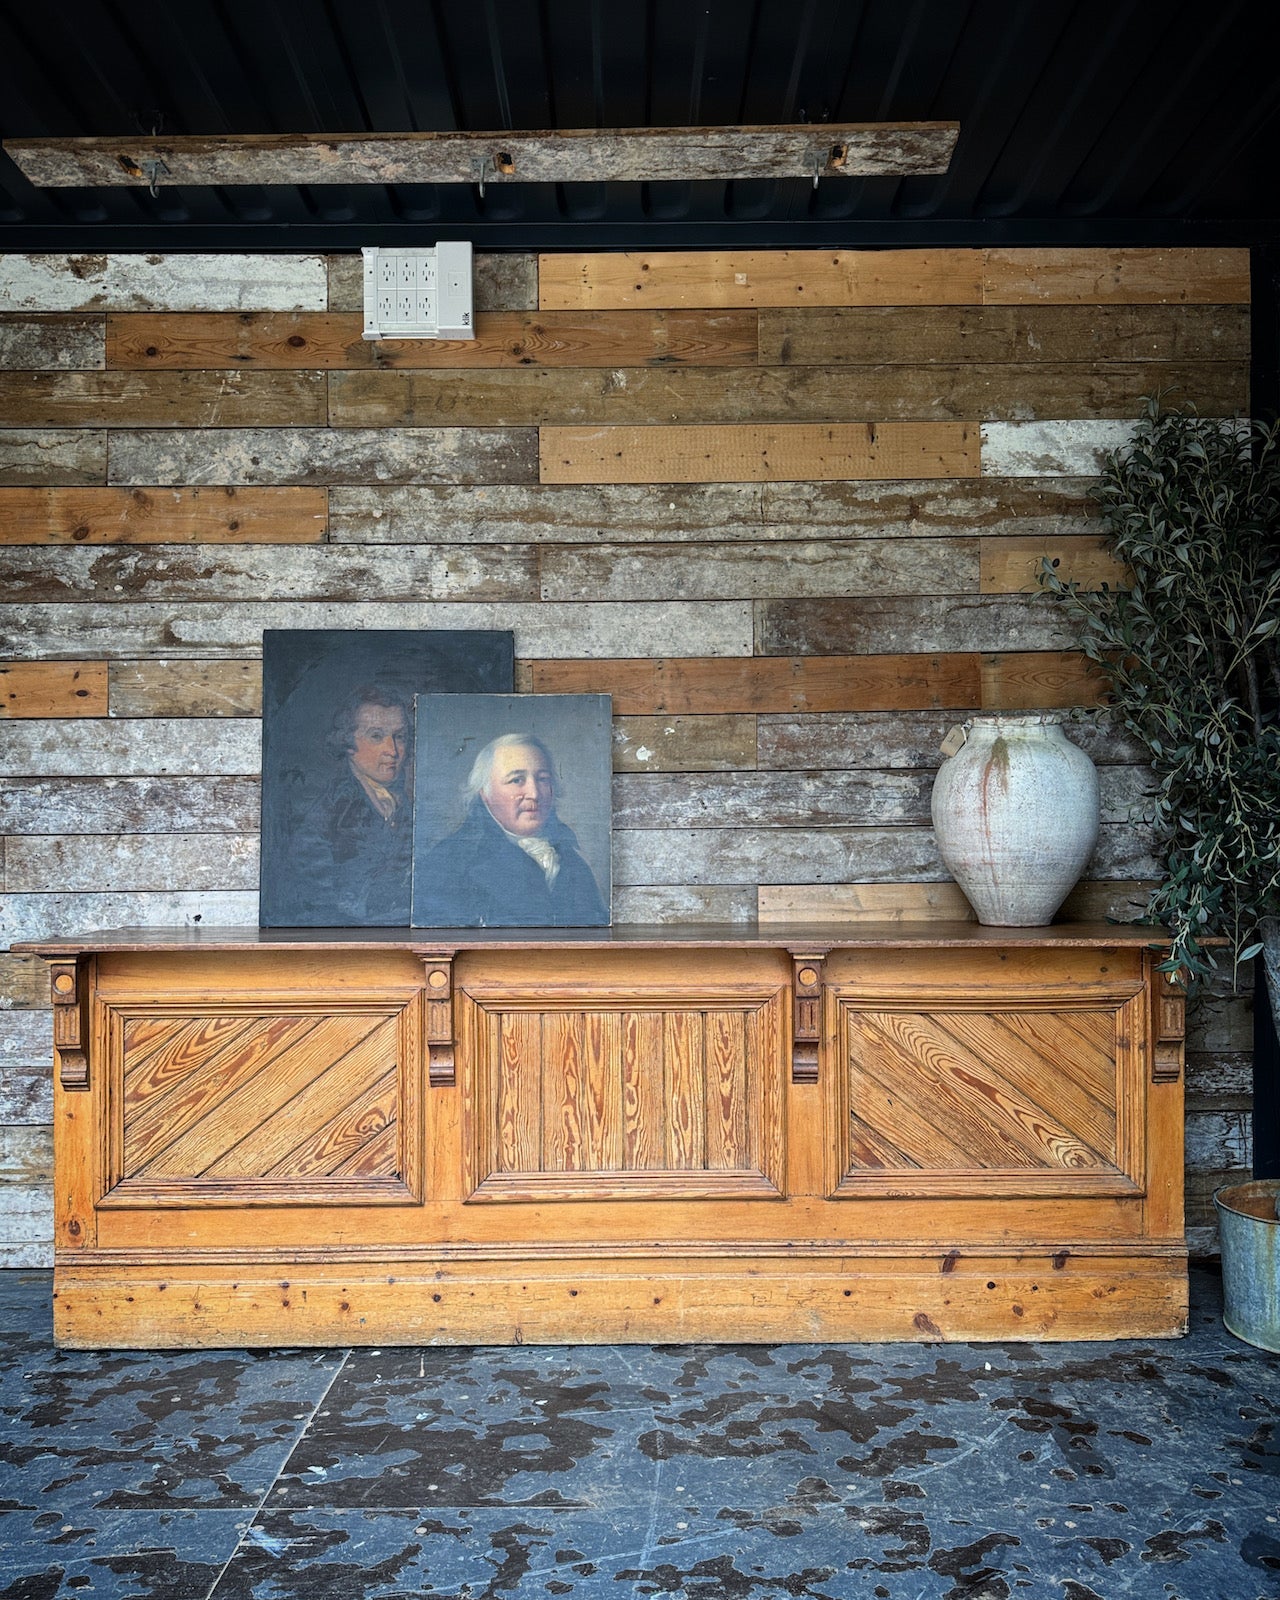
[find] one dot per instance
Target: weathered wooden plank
(129, 574)
(568, 282)
(24, 983)
(642, 513)
(1039, 680)
(1202, 1217)
(94, 864)
(333, 340)
(897, 739)
(1219, 1080)
(933, 509)
(1221, 1023)
(26, 1162)
(713, 628)
(33, 344)
(757, 454)
(185, 688)
(162, 516)
(53, 689)
(701, 685)
(835, 797)
(878, 625)
(684, 744)
(48, 916)
(192, 341)
(771, 799)
(219, 282)
(39, 456)
(1025, 276)
(661, 903)
(870, 740)
(863, 335)
(26, 1224)
(506, 282)
(1043, 449)
(863, 902)
(623, 395)
(539, 513)
(1013, 566)
(324, 456)
(26, 1092)
(562, 155)
(162, 399)
(1219, 1139)
(128, 805)
(1123, 792)
(145, 747)
(754, 856)
(26, 1049)
(760, 571)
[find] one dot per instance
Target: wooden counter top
(768, 935)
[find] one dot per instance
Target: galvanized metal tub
(1250, 1234)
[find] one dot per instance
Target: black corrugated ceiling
(1082, 121)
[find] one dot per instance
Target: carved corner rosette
(69, 991)
(807, 970)
(441, 1066)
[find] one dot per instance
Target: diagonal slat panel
(161, 1051)
(1046, 1065)
(258, 1097)
(378, 1158)
(895, 1094)
(346, 1142)
(869, 1148)
(155, 1122)
(1081, 1044)
(979, 1082)
(1046, 1141)
(1015, 1092)
(314, 1104)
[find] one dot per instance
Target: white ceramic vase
(1015, 812)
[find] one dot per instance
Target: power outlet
(418, 294)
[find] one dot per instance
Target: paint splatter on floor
(881, 1472)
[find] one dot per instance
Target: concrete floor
(952, 1472)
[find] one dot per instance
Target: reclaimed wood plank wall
(787, 508)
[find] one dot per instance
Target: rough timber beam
(854, 150)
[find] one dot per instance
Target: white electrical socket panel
(418, 294)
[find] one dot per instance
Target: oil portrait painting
(513, 821)
(337, 764)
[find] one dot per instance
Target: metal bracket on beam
(69, 991)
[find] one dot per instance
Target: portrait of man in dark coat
(338, 773)
(356, 838)
(513, 862)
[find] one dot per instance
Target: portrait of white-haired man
(353, 846)
(513, 863)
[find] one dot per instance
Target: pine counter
(732, 1133)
